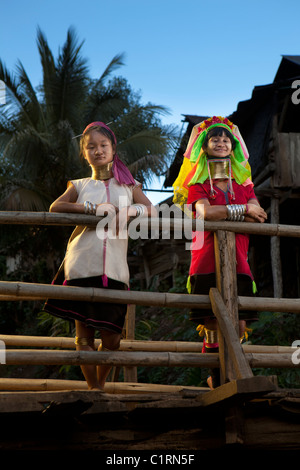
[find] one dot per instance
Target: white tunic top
(95, 252)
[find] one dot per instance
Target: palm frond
(71, 78)
(20, 198)
(15, 100)
(105, 107)
(145, 168)
(64, 81)
(148, 141)
(154, 109)
(37, 126)
(117, 61)
(26, 148)
(33, 106)
(48, 68)
(46, 56)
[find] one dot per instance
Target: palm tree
(38, 127)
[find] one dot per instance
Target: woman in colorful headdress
(97, 257)
(214, 183)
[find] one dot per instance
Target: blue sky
(194, 57)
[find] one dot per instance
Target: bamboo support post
(225, 283)
(233, 363)
(237, 356)
(274, 209)
(130, 373)
(275, 251)
(225, 307)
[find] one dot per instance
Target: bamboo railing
(235, 361)
(132, 345)
(56, 219)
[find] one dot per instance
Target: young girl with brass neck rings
(98, 261)
(218, 144)
(215, 183)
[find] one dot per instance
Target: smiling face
(219, 146)
(98, 149)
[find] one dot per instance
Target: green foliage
(282, 329)
(54, 326)
(38, 148)
(276, 328)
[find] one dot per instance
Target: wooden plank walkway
(182, 420)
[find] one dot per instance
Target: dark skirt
(98, 315)
(201, 284)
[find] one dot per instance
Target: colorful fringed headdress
(195, 168)
(119, 169)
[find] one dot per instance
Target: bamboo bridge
(247, 410)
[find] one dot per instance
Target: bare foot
(209, 383)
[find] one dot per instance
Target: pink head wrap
(120, 171)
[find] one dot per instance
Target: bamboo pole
(275, 252)
(269, 304)
(126, 345)
(257, 348)
(235, 351)
(18, 291)
(46, 218)
(68, 219)
(119, 358)
(110, 387)
(23, 290)
(282, 361)
(146, 359)
(130, 373)
(133, 345)
(10, 384)
(225, 262)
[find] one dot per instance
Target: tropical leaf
(117, 61)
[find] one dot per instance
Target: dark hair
(102, 131)
(218, 132)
